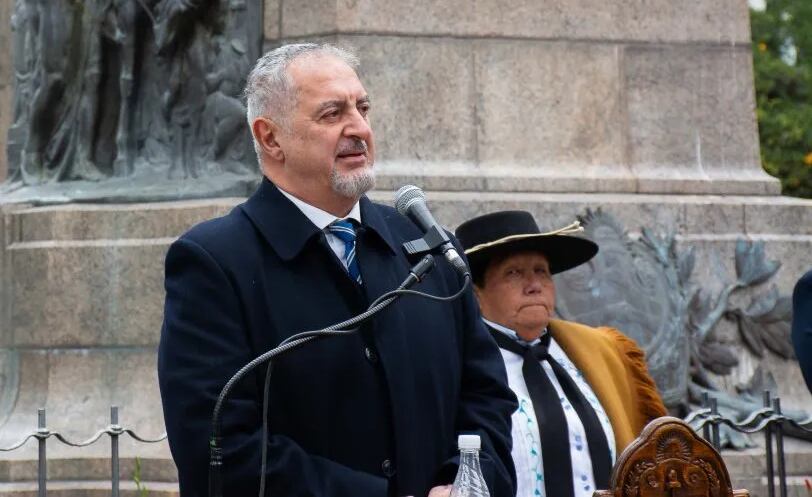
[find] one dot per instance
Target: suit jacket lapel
(286, 229)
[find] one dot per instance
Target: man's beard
(352, 184)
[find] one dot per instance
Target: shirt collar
(287, 230)
(510, 333)
(319, 217)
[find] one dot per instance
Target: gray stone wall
(81, 304)
(641, 107)
(554, 95)
(6, 80)
(82, 293)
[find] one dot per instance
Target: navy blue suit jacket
(372, 414)
(802, 325)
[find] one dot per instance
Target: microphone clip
(433, 239)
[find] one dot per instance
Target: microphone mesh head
(406, 196)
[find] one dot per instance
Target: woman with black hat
(584, 393)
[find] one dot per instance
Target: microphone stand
(416, 274)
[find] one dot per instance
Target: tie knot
(344, 229)
(541, 351)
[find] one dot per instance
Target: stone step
(797, 486)
(752, 462)
(686, 214)
(682, 214)
(112, 221)
(745, 465)
(88, 477)
(89, 489)
(154, 469)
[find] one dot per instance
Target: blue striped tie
(345, 231)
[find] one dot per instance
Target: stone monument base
(82, 295)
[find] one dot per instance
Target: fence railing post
(714, 406)
(42, 433)
(768, 449)
(706, 430)
(42, 468)
(779, 447)
(114, 460)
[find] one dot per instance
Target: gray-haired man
(371, 414)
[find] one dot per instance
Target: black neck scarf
(552, 422)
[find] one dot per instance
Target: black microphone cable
(384, 300)
(215, 451)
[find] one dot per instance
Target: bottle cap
(469, 442)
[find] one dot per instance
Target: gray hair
(270, 91)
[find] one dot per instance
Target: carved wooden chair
(669, 460)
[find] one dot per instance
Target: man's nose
(358, 126)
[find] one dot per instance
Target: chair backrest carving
(669, 460)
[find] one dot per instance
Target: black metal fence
(769, 419)
(707, 419)
(113, 430)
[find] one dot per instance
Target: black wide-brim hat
(505, 232)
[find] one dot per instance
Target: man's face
(518, 292)
(329, 148)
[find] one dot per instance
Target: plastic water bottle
(469, 481)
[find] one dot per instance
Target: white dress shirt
(322, 219)
(526, 452)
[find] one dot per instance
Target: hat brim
(563, 252)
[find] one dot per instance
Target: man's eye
(363, 109)
(331, 114)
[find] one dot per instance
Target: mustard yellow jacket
(615, 368)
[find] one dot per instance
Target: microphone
(411, 202)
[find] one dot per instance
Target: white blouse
(526, 453)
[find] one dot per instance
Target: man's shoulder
(388, 213)
(384, 209)
(233, 230)
(397, 224)
(801, 295)
(804, 283)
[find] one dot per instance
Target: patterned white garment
(526, 453)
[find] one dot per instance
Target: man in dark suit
(370, 414)
(802, 325)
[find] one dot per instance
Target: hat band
(574, 227)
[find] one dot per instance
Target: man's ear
(266, 133)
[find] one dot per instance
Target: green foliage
(782, 59)
(139, 485)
